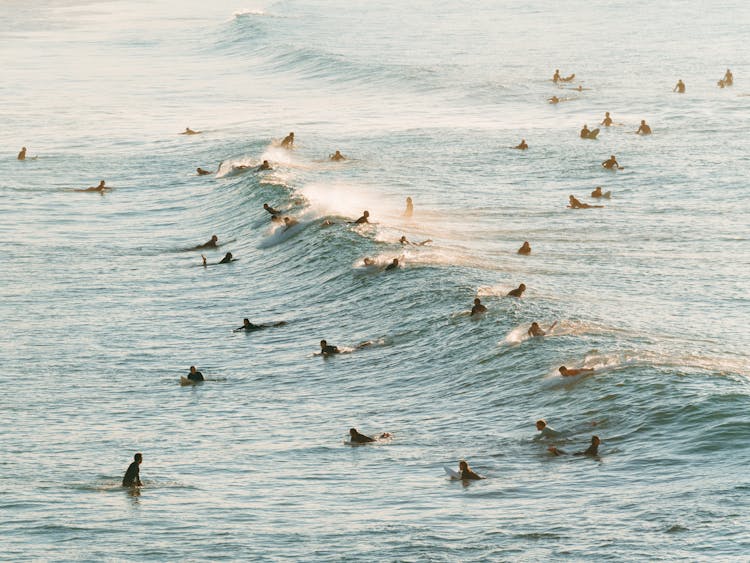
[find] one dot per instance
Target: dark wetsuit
(361, 438)
(361, 220)
(476, 309)
(132, 475)
(197, 376)
(515, 292)
(469, 475)
(272, 211)
(592, 450)
(226, 260)
(391, 266)
(329, 350)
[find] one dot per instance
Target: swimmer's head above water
(540, 424)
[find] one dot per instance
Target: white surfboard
(451, 473)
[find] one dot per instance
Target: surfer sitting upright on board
(132, 476)
(357, 438)
(465, 472)
(326, 349)
(644, 129)
(361, 220)
(535, 330)
(478, 308)
(522, 146)
(195, 375)
(288, 141)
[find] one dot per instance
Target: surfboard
(185, 381)
(593, 133)
(451, 473)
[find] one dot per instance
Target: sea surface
(102, 309)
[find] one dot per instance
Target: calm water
(102, 311)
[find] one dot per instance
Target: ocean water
(103, 310)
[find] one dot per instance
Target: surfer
(679, 87)
(227, 258)
(248, 326)
(554, 100)
(518, 292)
(403, 240)
(535, 330)
(525, 248)
(607, 120)
(392, 266)
(611, 163)
(288, 141)
(202, 172)
(465, 472)
(478, 308)
(369, 261)
(213, 243)
(556, 78)
(585, 132)
(728, 78)
(598, 193)
(358, 438)
(326, 349)
(189, 131)
(264, 166)
(644, 129)
(271, 210)
(565, 372)
(195, 375)
(409, 208)
(592, 450)
(132, 476)
(522, 146)
(337, 156)
(545, 431)
(100, 188)
(577, 204)
(22, 154)
(361, 220)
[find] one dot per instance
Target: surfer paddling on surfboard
(248, 326)
(194, 375)
(356, 438)
(591, 451)
(575, 203)
(565, 372)
(598, 193)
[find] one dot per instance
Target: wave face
(104, 309)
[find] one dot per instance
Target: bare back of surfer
(575, 203)
(644, 129)
(679, 87)
(213, 243)
(611, 163)
(607, 121)
(288, 141)
(536, 331)
(202, 172)
(478, 308)
(518, 292)
(566, 372)
(525, 248)
(522, 146)
(101, 188)
(189, 131)
(337, 157)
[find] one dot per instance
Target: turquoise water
(103, 311)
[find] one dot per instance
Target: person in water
(227, 258)
(363, 219)
(565, 372)
(553, 100)
(358, 438)
(271, 210)
(598, 193)
(644, 129)
(585, 132)
(369, 261)
(288, 141)
(518, 292)
(409, 208)
(264, 166)
(556, 77)
(522, 145)
(478, 308)
(575, 203)
(679, 87)
(195, 375)
(728, 78)
(289, 223)
(22, 154)
(545, 431)
(337, 156)
(403, 240)
(611, 163)
(393, 265)
(327, 350)
(202, 172)
(607, 122)
(591, 451)
(213, 243)
(466, 474)
(100, 188)
(525, 248)
(189, 131)
(132, 476)
(248, 326)
(536, 331)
